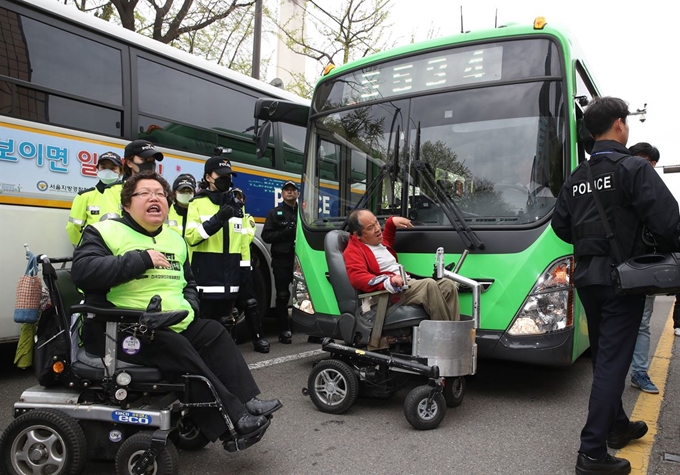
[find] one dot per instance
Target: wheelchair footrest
(242, 443)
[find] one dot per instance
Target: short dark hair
(602, 112)
(645, 150)
(131, 184)
(353, 224)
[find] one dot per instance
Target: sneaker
(606, 465)
(641, 380)
(677, 331)
(633, 431)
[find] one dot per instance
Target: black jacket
(634, 196)
(95, 269)
(279, 231)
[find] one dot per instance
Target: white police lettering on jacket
(604, 182)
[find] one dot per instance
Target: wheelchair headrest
(334, 244)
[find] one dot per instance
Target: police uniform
(177, 218)
(632, 195)
(111, 267)
(95, 204)
(279, 231)
(216, 252)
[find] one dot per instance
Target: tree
(171, 19)
(338, 32)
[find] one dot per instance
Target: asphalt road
(515, 419)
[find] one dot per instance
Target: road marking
(648, 406)
(285, 359)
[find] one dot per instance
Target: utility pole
(257, 39)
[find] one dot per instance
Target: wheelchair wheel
(454, 391)
(333, 386)
(417, 412)
(43, 441)
(190, 437)
(167, 462)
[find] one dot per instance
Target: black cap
(184, 181)
(112, 157)
(142, 148)
(218, 164)
(289, 183)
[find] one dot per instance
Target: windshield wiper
(452, 211)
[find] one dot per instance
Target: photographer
(279, 231)
(216, 241)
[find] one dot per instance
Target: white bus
(73, 86)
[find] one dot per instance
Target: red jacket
(361, 263)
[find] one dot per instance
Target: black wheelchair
(386, 346)
(92, 408)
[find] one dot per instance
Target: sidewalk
(655, 453)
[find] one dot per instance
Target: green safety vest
(168, 283)
(248, 231)
(91, 206)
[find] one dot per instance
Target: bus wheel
(43, 441)
(421, 415)
(333, 386)
(454, 391)
(166, 463)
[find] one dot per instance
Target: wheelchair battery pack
(648, 274)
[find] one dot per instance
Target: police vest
(175, 220)
(91, 206)
(168, 283)
(216, 259)
(590, 238)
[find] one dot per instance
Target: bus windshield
(498, 152)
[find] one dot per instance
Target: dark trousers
(613, 324)
(676, 312)
(214, 309)
(204, 348)
(283, 277)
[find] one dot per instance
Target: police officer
(99, 202)
(214, 230)
(632, 195)
(140, 156)
(246, 295)
(279, 231)
(183, 189)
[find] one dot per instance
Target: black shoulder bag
(648, 274)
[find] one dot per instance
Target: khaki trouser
(439, 298)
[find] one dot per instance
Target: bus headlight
(550, 305)
(301, 299)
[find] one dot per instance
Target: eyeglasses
(148, 193)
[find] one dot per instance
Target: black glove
(225, 213)
(238, 207)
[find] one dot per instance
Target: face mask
(184, 198)
(107, 176)
(223, 183)
(146, 166)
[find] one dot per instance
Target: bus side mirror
(262, 139)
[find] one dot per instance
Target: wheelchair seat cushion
(91, 367)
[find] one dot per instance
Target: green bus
(471, 137)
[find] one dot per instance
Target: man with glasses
(372, 265)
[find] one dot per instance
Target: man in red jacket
(372, 265)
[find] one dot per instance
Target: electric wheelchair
(386, 345)
(88, 407)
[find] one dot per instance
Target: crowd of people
(132, 225)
